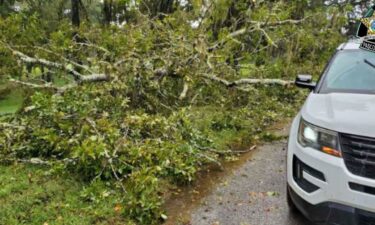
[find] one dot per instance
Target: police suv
(331, 147)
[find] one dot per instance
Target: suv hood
(345, 113)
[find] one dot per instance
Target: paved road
(242, 198)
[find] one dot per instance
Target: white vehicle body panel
(345, 113)
(341, 112)
(336, 188)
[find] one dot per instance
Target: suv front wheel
(292, 207)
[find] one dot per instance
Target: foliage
(34, 195)
(166, 106)
(88, 140)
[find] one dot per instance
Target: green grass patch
(12, 96)
(31, 195)
(11, 102)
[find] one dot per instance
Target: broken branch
(248, 81)
(78, 76)
(184, 91)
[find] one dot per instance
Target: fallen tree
(153, 101)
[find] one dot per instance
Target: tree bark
(80, 78)
(240, 82)
(166, 6)
(158, 7)
(75, 13)
(299, 11)
(107, 11)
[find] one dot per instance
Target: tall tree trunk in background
(163, 7)
(234, 19)
(316, 4)
(107, 11)
(158, 7)
(75, 13)
(300, 8)
(166, 6)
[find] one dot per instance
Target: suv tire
(292, 207)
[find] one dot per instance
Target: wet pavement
(254, 194)
(249, 191)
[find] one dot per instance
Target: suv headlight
(318, 138)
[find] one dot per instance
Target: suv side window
(324, 73)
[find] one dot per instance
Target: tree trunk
(166, 6)
(46, 75)
(299, 11)
(75, 13)
(107, 11)
(158, 7)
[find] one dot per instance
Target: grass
(31, 195)
(11, 103)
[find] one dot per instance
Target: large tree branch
(44, 86)
(60, 66)
(278, 23)
(32, 85)
(255, 25)
(84, 67)
(248, 81)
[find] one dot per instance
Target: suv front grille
(362, 188)
(364, 219)
(359, 154)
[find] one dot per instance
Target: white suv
(331, 148)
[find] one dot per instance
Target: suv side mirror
(305, 81)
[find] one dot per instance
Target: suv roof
(352, 44)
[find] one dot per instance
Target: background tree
(108, 11)
(158, 8)
(76, 21)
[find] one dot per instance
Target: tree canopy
(136, 93)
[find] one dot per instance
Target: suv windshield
(351, 71)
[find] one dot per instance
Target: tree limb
(248, 81)
(258, 26)
(36, 86)
(44, 86)
(278, 23)
(77, 76)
